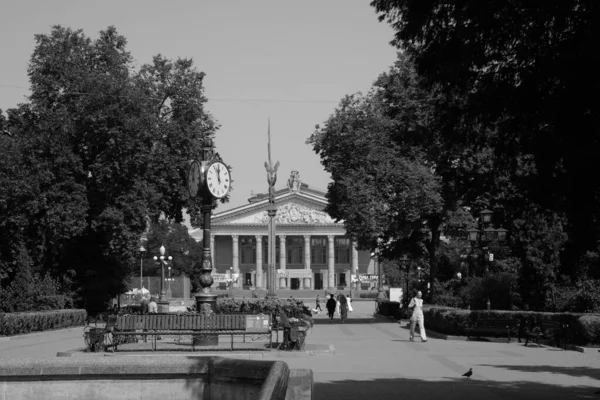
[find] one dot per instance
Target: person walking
(330, 305)
(350, 302)
(343, 307)
(318, 307)
(416, 304)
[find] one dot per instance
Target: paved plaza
(374, 360)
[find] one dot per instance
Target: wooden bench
(197, 326)
(493, 326)
(547, 330)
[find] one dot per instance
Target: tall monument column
(282, 260)
(354, 270)
(259, 262)
(271, 212)
(331, 262)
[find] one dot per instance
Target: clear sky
(291, 61)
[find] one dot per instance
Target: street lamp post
(484, 237)
(142, 251)
(163, 304)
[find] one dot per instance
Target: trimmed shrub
(292, 308)
(25, 322)
(584, 329)
(388, 308)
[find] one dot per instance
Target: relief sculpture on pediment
(296, 214)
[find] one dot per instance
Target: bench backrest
(175, 322)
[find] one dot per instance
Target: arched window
(294, 250)
(318, 250)
(248, 247)
(342, 250)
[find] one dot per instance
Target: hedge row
(291, 307)
(25, 322)
(584, 329)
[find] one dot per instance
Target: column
(307, 252)
(331, 262)
(306, 284)
(282, 255)
(354, 270)
(259, 275)
(235, 258)
(212, 250)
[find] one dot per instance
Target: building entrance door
(318, 281)
(294, 283)
(342, 279)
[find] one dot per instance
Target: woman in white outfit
(416, 303)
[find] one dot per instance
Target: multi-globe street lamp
(163, 304)
(485, 238)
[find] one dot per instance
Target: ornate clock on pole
(210, 179)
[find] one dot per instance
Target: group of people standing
(339, 303)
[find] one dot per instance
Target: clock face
(194, 178)
(218, 180)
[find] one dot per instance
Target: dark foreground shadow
(450, 389)
(593, 373)
(351, 321)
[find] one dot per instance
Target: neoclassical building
(313, 251)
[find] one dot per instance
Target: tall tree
(407, 129)
(528, 69)
(119, 141)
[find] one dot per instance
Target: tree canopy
(528, 69)
(98, 149)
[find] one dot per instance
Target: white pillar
(354, 269)
(307, 252)
(235, 258)
(259, 275)
(331, 262)
(212, 250)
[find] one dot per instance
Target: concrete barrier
(151, 377)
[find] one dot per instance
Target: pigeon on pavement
(468, 373)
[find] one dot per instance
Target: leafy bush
(18, 323)
(31, 292)
(292, 308)
(388, 308)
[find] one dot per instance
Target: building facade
(313, 251)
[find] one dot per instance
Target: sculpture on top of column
(271, 170)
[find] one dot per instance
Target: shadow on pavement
(452, 388)
(593, 373)
(349, 321)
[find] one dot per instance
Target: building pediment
(288, 213)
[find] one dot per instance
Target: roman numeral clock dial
(218, 180)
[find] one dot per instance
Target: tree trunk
(434, 243)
